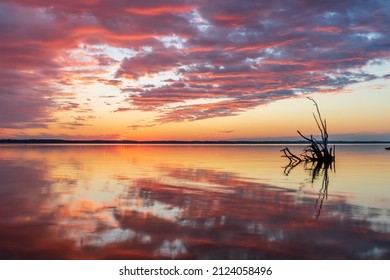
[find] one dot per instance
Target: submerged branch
(316, 151)
(316, 156)
(288, 154)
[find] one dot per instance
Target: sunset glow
(194, 69)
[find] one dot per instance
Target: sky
(194, 69)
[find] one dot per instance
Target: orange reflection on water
(186, 202)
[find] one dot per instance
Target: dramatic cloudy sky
(193, 69)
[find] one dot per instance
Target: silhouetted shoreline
(170, 142)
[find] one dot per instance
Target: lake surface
(191, 202)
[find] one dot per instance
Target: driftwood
(315, 151)
(317, 157)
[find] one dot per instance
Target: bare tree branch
(316, 151)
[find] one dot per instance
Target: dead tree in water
(316, 151)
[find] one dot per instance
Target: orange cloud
(158, 10)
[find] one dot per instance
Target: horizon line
(127, 141)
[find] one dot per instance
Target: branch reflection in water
(318, 170)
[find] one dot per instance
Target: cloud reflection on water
(70, 206)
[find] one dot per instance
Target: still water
(191, 202)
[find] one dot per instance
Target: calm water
(191, 202)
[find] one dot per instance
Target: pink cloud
(328, 29)
(157, 60)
